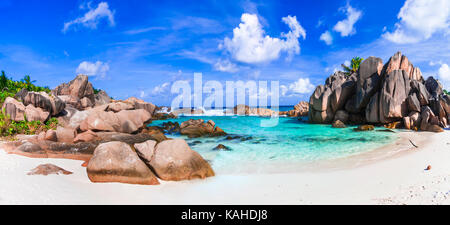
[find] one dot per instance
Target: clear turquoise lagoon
(282, 148)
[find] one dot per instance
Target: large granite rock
(301, 109)
(401, 62)
(413, 103)
(79, 87)
(66, 135)
(320, 109)
(342, 93)
(141, 104)
(426, 117)
(36, 114)
(117, 162)
(373, 109)
(14, 108)
(132, 121)
(368, 81)
(433, 87)
(393, 94)
(119, 106)
(126, 121)
(49, 103)
(101, 121)
(101, 98)
(174, 160)
(421, 91)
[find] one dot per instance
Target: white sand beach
(396, 178)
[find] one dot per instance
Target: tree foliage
(354, 66)
(9, 87)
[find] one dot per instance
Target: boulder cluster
(112, 137)
(394, 94)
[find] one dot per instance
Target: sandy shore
(393, 175)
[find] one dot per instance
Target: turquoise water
(283, 147)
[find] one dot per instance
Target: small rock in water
(338, 124)
(364, 128)
(428, 167)
(222, 147)
(386, 130)
(46, 169)
(230, 137)
(246, 138)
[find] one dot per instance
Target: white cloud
(250, 44)
(346, 26)
(302, 86)
(225, 66)
(161, 89)
(327, 38)
(299, 87)
(93, 17)
(444, 75)
(143, 30)
(98, 69)
(419, 20)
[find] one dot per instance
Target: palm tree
(354, 66)
(28, 82)
(3, 81)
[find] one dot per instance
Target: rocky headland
(394, 94)
(111, 136)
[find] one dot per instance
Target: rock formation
(199, 128)
(381, 94)
(300, 110)
(117, 162)
(105, 133)
(174, 160)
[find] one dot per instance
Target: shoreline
(397, 179)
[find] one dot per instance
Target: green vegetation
(354, 66)
(9, 87)
(10, 127)
(446, 92)
(96, 91)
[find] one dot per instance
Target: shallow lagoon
(281, 148)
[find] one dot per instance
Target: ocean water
(281, 148)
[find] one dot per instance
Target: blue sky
(139, 48)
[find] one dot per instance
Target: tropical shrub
(354, 66)
(10, 127)
(9, 87)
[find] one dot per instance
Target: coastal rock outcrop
(174, 160)
(117, 162)
(394, 93)
(101, 98)
(199, 128)
(300, 110)
(77, 89)
(141, 104)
